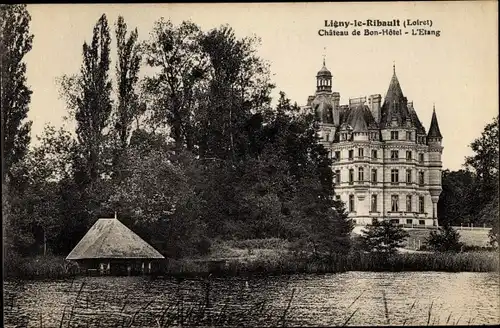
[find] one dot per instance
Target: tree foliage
(233, 167)
(471, 195)
(444, 239)
(383, 237)
(94, 103)
(16, 42)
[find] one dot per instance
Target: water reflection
(358, 298)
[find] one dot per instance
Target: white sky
(457, 71)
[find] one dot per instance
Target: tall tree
(484, 162)
(238, 86)
(175, 53)
(127, 70)
(128, 109)
(16, 41)
(94, 102)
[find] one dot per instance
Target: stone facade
(386, 166)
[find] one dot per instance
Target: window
(408, 135)
(409, 221)
(361, 152)
(374, 175)
(394, 221)
(408, 155)
(351, 203)
(421, 157)
(394, 154)
(394, 203)
(374, 203)
(337, 177)
(421, 178)
(327, 137)
(421, 222)
(351, 176)
(337, 155)
(374, 153)
(361, 174)
(337, 197)
(354, 221)
(394, 176)
(394, 135)
(408, 176)
(351, 154)
(408, 203)
(421, 204)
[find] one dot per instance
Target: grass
(271, 257)
(40, 267)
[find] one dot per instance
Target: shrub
(383, 237)
(445, 239)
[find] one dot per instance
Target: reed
(280, 263)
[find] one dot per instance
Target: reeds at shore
(282, 263)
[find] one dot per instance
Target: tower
(434, 141)
(324, 80)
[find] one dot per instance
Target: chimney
(374, 102)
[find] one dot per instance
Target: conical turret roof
(395, 107)
(434, 131)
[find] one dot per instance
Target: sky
(456, 72)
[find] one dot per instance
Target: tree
(238, 86)
(175, 53)
(94, 101)
(383, 237)
(127, 70)
(444, 239)
(458, 199)
(484, 163)
(16, 42)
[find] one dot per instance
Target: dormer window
(394, 135)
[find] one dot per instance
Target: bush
(383, 237)
(445, 239)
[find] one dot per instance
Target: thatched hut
(109, 247)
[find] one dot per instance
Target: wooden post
(419, 244)
(142, 267)
(149, 267)
(109, 268)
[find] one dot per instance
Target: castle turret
(324, 80)
(434, 141)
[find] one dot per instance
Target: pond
(352, 298)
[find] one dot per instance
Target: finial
(433, 106)
(394, 67)
(324, 56)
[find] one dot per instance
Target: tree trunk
(44, 243)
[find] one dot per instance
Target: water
(411, 298)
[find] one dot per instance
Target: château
(386, 167)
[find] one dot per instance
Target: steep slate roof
(434, 128)
(111, 239)
(395, 105)
(416, 121)
(361, 119)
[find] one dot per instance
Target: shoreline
(54, 267)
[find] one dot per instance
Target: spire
(324, 56)
(434, 128)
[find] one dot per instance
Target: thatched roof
(111, 239)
